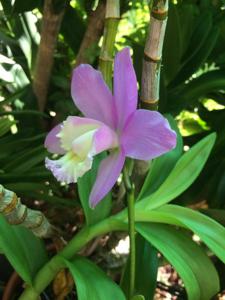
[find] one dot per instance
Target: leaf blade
(183, 174)
(178, 248)
(92, 282)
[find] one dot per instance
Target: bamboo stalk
(92, 35)
(112, 18)
(153, 54)
(45, 57)
(151, 72)
(17, 213)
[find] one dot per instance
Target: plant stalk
(92, 35)
(153, 54)
(131, 229)
(45, 57)
(17, 213)
(49, 270)
(117, 222)
(112, 18)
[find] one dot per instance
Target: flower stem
(131, 223)
(131, 228)
(47, 273)
(111, 23)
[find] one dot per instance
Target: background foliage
(192, 91)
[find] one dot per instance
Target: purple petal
(108, 173)
(147, 135)
(52, 142)
(92, 96)
(125, 86)
(104, 139)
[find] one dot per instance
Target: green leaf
(13, 143)
(5, 125)
(73, 19)
(162, 166)
(21, 6)
(183, 174)
(209, 231)
(172, 47)
(29, 112)
(7, 6)
(188, 13)
(192, 65)
(91, 282)
(201, 86)
(146, 268)
(85, 185)
(199, 35)
(26, 160)
(25, 252)
(138, 297)
(189, 260)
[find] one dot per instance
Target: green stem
(127, 171)
(49, 270)
(110, 30)
(131, 228)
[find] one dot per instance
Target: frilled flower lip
(79, 140)
(139, 134)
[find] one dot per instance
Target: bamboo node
(159, 14)
(17, 213)
(112, 18)
(38, 224)
(21, 219)
(152, 59)
(149, 101)
(106, 58)
(11, 205)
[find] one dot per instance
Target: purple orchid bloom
(112, 122)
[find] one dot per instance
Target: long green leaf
(199, 87)
(172, 47)
(25, 252)
(190, 261)
(191, 66)
(183, 174)
(91, 282)
(199, 35)
(25, 161)
(210, 232)
(5, 125)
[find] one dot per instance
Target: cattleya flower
(111, 122)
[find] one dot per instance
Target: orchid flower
(111, 122)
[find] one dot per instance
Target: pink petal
(125, 86)
(92, 96)
(104, 139)
(108, 173)
(52, 142)
(147, 135)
